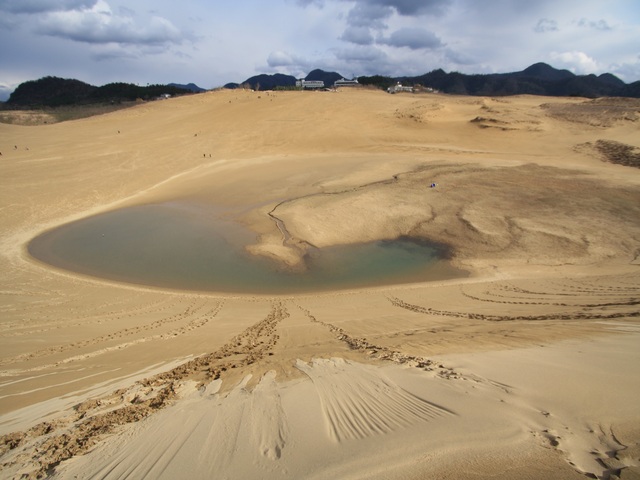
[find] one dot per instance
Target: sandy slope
(528, 368)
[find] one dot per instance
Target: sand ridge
(100, 379)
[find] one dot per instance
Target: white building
(399, 88)
(346, 83)
(310, 83)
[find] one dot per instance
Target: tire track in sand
(191, 310)
(574, 315)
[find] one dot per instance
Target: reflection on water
(188, 246)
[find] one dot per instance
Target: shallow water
(189, 246)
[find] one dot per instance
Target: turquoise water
(189, 246)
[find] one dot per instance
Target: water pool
(189, 246)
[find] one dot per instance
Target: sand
(528, 367)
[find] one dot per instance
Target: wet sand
(527, 368)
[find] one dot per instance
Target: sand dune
(525, 368)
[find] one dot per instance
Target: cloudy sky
(213, 42)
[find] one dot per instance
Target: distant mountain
(327, 77)
(538, 79)
(269, 82)
(266, 82)
(192, 87)
(51, 91)
(542, 71)
(55, 92)
(632, 90)
(611, 79)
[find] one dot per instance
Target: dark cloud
(412, 7)
(126, 11)
(597, 25)
(306, 3)
(358, 35)
(373, 13)
(459, 58)
(413, 38)
(8, 22)
(111, 52)
(43, 6)
(368, 15)
(546, 25)
(403, 7)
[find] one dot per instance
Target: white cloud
(6, 90)
(99, 25)
(280, 59)
(576, 62)
(628, 72)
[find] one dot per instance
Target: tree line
(56, 92)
